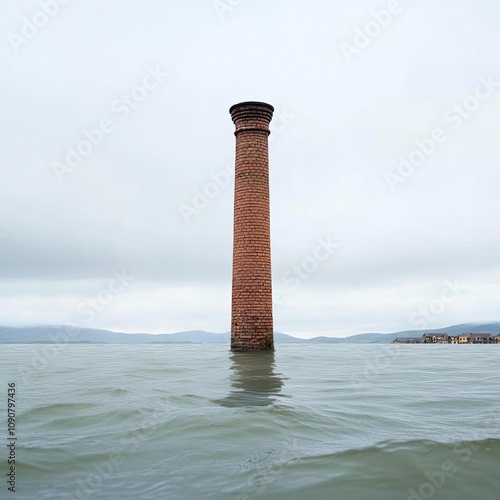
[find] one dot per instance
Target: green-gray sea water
(187, 421)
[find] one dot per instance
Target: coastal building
(435, 338)
(443, 338)
(480, 338)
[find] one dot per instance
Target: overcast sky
(115, 198)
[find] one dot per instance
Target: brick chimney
(252, 306)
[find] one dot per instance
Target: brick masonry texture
(252, 306)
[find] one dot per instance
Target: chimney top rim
(257, 104)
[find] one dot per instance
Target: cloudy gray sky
(116, 204)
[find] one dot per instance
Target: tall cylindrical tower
(252, 306)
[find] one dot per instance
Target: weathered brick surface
(252, 308)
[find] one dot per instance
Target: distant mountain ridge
(61, 333)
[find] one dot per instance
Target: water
(307, 422)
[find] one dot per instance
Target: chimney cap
(255, 104)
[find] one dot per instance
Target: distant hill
(43, 334)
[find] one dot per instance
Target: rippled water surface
(306, 422)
